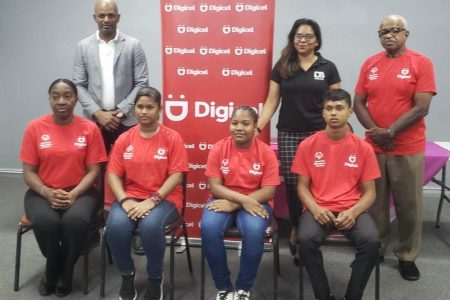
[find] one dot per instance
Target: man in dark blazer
(109, 69)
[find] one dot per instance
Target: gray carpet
(434, 263)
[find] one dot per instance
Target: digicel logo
(227, 29)
(181, 71)
(169, 7)
(214, 51)
(226, 72)
(178, 109)
(204, 7)
(239, 7)
(190, 29)
(249, 51)
(173, 50)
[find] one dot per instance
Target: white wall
(37, 42)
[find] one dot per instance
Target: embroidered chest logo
(404, 74)
(255, 169)
(319, 162)
(319, 75)
(81, 142)
(351, 163)
(45, 141)
(128, 154)
(161, 154)
(373, 74)
(224, 168)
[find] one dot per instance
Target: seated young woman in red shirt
(243, 174)
(144, 173)
(61, 155)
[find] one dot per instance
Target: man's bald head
(106, 16)
(395, 18)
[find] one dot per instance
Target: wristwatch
(390, 133)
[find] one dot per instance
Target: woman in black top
(298, 80)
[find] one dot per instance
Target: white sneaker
(242, 295)
(225, 295)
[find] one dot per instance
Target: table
(441, 150)
(436, 156)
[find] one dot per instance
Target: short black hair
(249, 109)
(337, 95)
(66, 81)
(150, 92)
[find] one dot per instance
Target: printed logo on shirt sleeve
(224, 168)
(319, 162)
(45, 141)
(256, 169)
(351, 163)
(81, 142)
(128, 154)
(161, 154)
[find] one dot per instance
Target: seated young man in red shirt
(336, 184)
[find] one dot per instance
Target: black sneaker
(154, 290)
(127, 289)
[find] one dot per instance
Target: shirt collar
(116, 37)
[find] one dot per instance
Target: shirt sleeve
(371, 169)
(334, 75)
(275, 75)
(96, 149)
(28, 151)
(361, 84)
(178, 158)
(426, 81)
(271, 174)
(213, 162)
(115, 164)
(299, 164)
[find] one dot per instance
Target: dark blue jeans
(151, 230)
(252, 229)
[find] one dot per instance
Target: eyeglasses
(394, 31)
(308, 37)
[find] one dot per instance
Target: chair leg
(18, 255)
(202, 275)
(102, 262)
(86, 270)
(300, 280)
(443, 196)
(276, 265)
(377, 280)
(172, 266)
(188, 251)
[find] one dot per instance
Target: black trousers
(364, 236)
(109, 137)
(61, 234)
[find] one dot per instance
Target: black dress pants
(364, 236)
(61, 234)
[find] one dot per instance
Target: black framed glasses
(308, 37)
(394, 31)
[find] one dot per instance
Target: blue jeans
(119, 230)
(252, 229)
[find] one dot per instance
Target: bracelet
(258, 129)
(121, 201)
(42, 190)
(156, 198)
